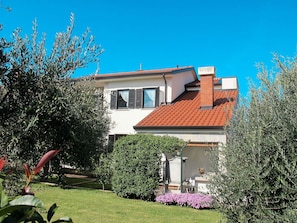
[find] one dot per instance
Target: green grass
(96, 206)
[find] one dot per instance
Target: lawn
(95, 206)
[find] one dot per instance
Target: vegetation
(103, 170)
(41, 107)
(25, 208)
(257, 177)
(136, 164)
(196, 200)
(102, 206)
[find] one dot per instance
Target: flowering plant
(25, 208)
(197, 201)
(30, 174)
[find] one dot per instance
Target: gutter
(142, 73)
(165, 81)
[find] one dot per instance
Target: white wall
(175, 169)
(176, 84)
(124, 119)
(229, 83)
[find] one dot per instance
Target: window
(135, 98)
(123, 98)
(112, 139)
(149, 98)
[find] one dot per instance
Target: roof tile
(185, 111)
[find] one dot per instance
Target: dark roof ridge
(179, 127)
(145, 72)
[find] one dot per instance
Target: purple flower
(197, 201)
(167, 199)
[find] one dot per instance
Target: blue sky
(232, 35)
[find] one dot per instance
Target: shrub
(103, 171)
(26, 208)
(14, 181)
(197, 201)
(136, 163)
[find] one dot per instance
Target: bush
(103, 171)
(197, 201)
(27, 207)
(136, 163)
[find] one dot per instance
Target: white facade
(169, 84)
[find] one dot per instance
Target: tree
(7, 8)
(256, 178)
(41, 107)
(103, 171)
(136, 164)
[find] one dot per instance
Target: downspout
(165, 81)
(181, 166)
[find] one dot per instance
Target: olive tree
(4, 7)
(256, 178)
(42, 107)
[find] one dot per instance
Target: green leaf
(4, 199)
(29, 200)
(23, 204)
(51, 211)
(36, 217)
(9, 209)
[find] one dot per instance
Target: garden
(42, 109)
(80, 198)
(93, 205)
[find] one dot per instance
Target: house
(175, 102)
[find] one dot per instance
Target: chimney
(206, 86)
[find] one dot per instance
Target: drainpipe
(165, 81)
(181, 166)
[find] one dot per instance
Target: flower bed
(197, 201)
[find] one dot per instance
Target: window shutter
(139, 96)
(157, 97)
(131, 98)
(113, 100)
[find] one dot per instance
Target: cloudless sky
(232, 35)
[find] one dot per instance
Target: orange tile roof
(185, 112)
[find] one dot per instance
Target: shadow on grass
(69, 181)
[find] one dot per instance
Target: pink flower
(197, 201)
